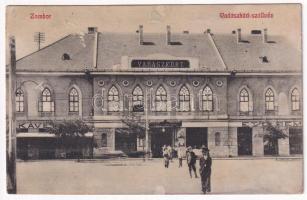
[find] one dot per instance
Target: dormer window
(66, 56)
(264, 59)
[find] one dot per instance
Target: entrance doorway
(196, 137)
(296, 140)
(160, 137)
(245, 141)
(124, 142)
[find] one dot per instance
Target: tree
(135, 125)
(272, 132)
(70, 134)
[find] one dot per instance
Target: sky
(65, 20)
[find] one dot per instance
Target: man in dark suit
(205, 163)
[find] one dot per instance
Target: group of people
(205, 163)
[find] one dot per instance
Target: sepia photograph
(154, 99)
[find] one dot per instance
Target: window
(19, 100)
(184, 99)
(207, 99)
(137, 99)
(244, 100)
(73, 100)
(161, 99)
(269, 100)
(217, 139)
(113, 99)
(295, 99)
(46, 104)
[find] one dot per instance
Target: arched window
(295, 99)
(161, 99)
(47, 104)
(207, 99)
(184, 99)
(244, 100)
(19, 100)
(113, 99)
(269, 100)
(138, 99)
(73, 100)
(217, 136)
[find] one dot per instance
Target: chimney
(141, 34)
(92, 30)
(168, 34)
(265, 35)
(239, 35)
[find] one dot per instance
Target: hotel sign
(160, 64)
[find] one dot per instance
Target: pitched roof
(211, 51)
(78, 47)
(112, 47)
(248, 56)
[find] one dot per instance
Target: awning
(35, 135)
(44, 135)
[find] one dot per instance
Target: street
(131, 176)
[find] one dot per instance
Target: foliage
(69, 128)
(70, 135)
(273, 132)
(135, 126)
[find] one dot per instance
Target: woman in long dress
(165, 153)
(205, 163)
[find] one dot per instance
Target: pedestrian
(191, 160)
(170, 152)
(205, 163)
(180, 153)
(165, 156)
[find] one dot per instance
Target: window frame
(244, 99)
(73, 100)
(45, 100)
(269, 99)
(184, 98)
(206, 101)
(113, 92)
(19, 100)
(161, 99)
(295, 100)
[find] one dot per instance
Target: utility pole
(146, 123)
(12, 119)
(39, 37)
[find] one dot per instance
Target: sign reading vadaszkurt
(160, 64)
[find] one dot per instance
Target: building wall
(59, 87)
(219, 92)
(281, 85)
(225, 91)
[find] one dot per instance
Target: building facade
(217, 90)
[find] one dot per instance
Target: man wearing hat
(191, 159)
(205, 163)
